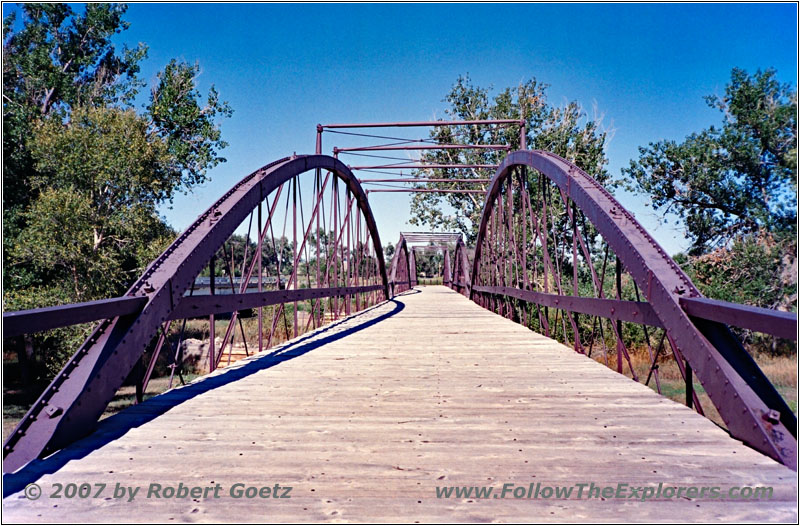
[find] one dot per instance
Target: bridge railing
(556, 252)
(307, 226)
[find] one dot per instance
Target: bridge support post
(447, 279)
(212, 332)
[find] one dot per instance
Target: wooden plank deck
(365, 418)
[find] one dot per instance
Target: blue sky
(286, 67)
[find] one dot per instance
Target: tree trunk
(26, 361)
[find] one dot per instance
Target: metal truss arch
(461, 269)
(70, 406)
(751, 408)
(402, 263)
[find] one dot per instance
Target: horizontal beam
(769, 321)
(17, 323)
(420, 124)
(429, 235)
(433, 248)
(194, 306)
(425, 147)
(632, 311)
(21, 322)
(427, 190)
(424, 180)
(421, 166)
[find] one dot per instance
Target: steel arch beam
(72, 404)
(412, 268)
(748, 403)
(461, 280)
(447, 274)
(400, 276)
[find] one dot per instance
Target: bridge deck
(365, 418)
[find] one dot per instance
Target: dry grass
(781, 371)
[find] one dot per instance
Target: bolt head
(772, 416)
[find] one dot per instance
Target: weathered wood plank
(365, 418)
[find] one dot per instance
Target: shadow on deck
(116, 426)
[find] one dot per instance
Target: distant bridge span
(555, 253)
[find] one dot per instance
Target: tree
(755, 269)
(56, 60)
(739, 178)
(86, 172)
(565, 131)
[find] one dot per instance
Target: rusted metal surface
(412, 269)
(70, 406)
(461, 269)
(423, 180)
(447, 274)
(744, 401)
(425, 190)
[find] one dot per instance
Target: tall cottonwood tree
(734, 189)
(733, 179)
(84, 171)
(565, 131)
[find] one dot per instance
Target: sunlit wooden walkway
(364, 419)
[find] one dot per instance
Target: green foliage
(56, 60)
(272, 253)
(565, 131)
(189, 130)
(429, 263)
(736, 179)
(755, 270)
(734, 188)
(759, 270)
(84, 173)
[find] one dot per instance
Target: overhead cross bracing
(431, 237)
